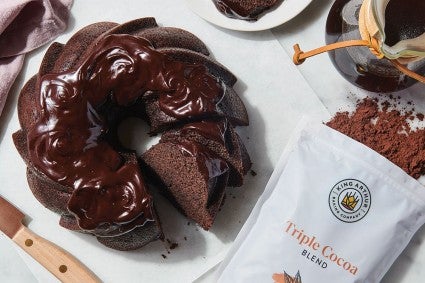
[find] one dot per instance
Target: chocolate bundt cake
(210, 148)
(70, 111)
(249, 10)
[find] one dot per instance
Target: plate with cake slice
(251, 15)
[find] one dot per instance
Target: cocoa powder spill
(386, 131)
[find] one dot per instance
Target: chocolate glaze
(235, 10)
(190, 91)
(232, 10)
(211, 165)
(68, 142)
(213, 130)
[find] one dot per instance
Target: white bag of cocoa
(333, 211)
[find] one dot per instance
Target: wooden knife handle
(55, 259)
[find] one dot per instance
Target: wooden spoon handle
(55, 259)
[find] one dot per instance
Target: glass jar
(395, 24)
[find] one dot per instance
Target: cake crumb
(171, 245)
(253, 173)
(163, 256)
(185, 238)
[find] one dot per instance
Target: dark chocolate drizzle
(213, 130)
(68, 142)
(211, 166)
(232, 9)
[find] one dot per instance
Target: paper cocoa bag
(333, 211)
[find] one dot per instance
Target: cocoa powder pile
(386, 131)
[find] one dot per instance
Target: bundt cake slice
(249, 10)
(191, 176)
(219, 137)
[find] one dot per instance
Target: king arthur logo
(349, 200)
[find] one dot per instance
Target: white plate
(283, 13)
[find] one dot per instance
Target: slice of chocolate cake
(191, 176)
(220, 137)
(249, 10)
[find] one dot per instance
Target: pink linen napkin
(24, 26)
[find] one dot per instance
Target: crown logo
(350, 200)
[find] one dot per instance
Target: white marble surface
(268, 92)
(12, 268)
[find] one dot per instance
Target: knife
(55, 259)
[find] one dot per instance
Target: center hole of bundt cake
(133, 134)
